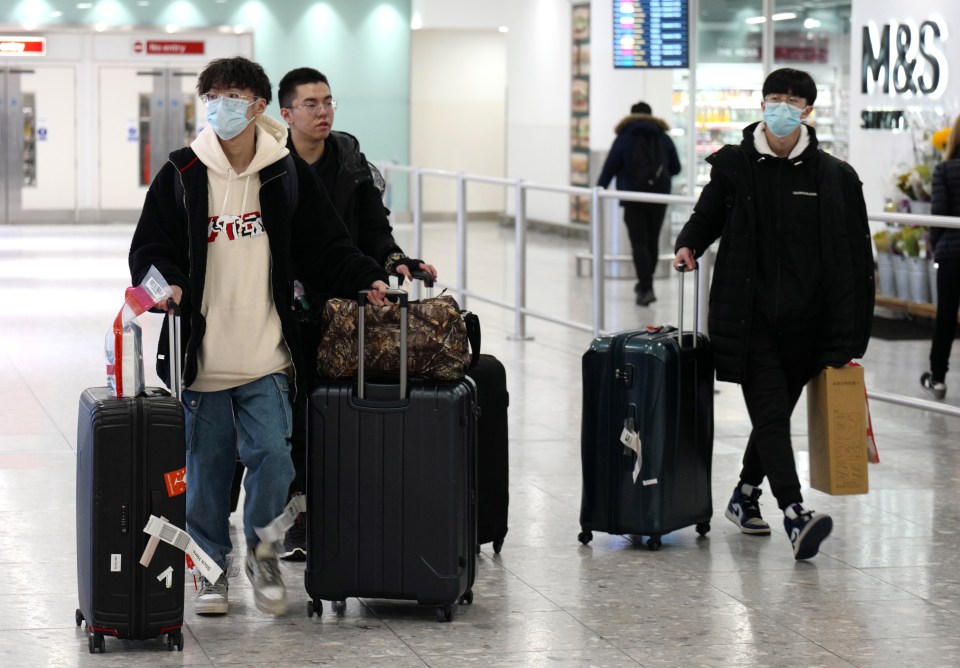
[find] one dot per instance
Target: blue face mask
(227, 117)
(781, 118)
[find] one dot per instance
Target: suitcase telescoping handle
(361, 302)
(173, 334)
(696, 304)
(421, 275)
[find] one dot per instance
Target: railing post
(416, 195)
(599, 268)
(461, 240)
(520, 263)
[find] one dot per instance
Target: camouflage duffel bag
(439, 339)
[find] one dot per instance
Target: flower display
(929, 133)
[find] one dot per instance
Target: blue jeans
(255, 420)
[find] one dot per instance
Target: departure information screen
(650, 33)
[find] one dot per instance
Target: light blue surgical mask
(781, 118)
(227, 116)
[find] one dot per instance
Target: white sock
(791, 512)
(746, 489)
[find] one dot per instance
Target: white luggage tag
(631, 440)
(275, 531)
(181, 540)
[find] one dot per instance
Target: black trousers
(644, 221)
(948, 301)
(778, 368)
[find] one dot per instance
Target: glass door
(38, 144)
(145, 114)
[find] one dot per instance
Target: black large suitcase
(391, 490)
(493, 458)
(657, 383)
(131, 459)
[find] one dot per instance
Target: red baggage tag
(176, 482)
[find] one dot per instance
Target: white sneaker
(212, 597)
(263, 570)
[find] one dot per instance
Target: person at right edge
(792, 289)
(356, 189)
(644, 159)
(945, 245)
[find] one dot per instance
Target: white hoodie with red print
(243, 340)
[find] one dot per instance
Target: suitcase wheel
(339, 607)
(467, 597)
(175, 639)
(497, 546)
(314, 608)
(585, 537)
(445, 613)
(95, 642)
(78, 616)
(653, 544)
(703, 528)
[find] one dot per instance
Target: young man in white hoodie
(230, 222)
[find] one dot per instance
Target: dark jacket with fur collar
(618, 162)
(748, 224)
(172, 236)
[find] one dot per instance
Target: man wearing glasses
(220, 224)
(792, 288)
(356, 189)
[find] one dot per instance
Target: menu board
(650, 33)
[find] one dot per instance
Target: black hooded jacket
(358, 198)
(945, 241)
(619, 159)
(795, 251)
(172, 236)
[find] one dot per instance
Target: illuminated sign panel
(650, 33)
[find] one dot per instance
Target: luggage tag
(631, 440)
(275, 531)
(181, 540)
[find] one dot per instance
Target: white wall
(458, 113)
(875, 154)
(459, 14)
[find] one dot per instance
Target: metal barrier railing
(599, 198)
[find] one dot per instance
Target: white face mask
(228, 117)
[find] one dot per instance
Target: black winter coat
(172, 236)
(619, 160)
(945, 241)
(837, 295)
(358, 198)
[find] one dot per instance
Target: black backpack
(648, 162)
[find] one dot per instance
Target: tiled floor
(885, 590)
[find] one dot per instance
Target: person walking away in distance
(944, 242)
(356, 189)
(792, 289)
(643, 158)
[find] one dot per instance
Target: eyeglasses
(314, 107)
(207, 98)
(799, 102)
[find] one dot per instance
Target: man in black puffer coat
(643, 158)
(792, 288)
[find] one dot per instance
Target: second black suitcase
(493, 456)
(391, 490)
(658, 384)
(131, 459)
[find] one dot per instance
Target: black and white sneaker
(935, 388)
(295, 540)
(744, 511)
(806, 529)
